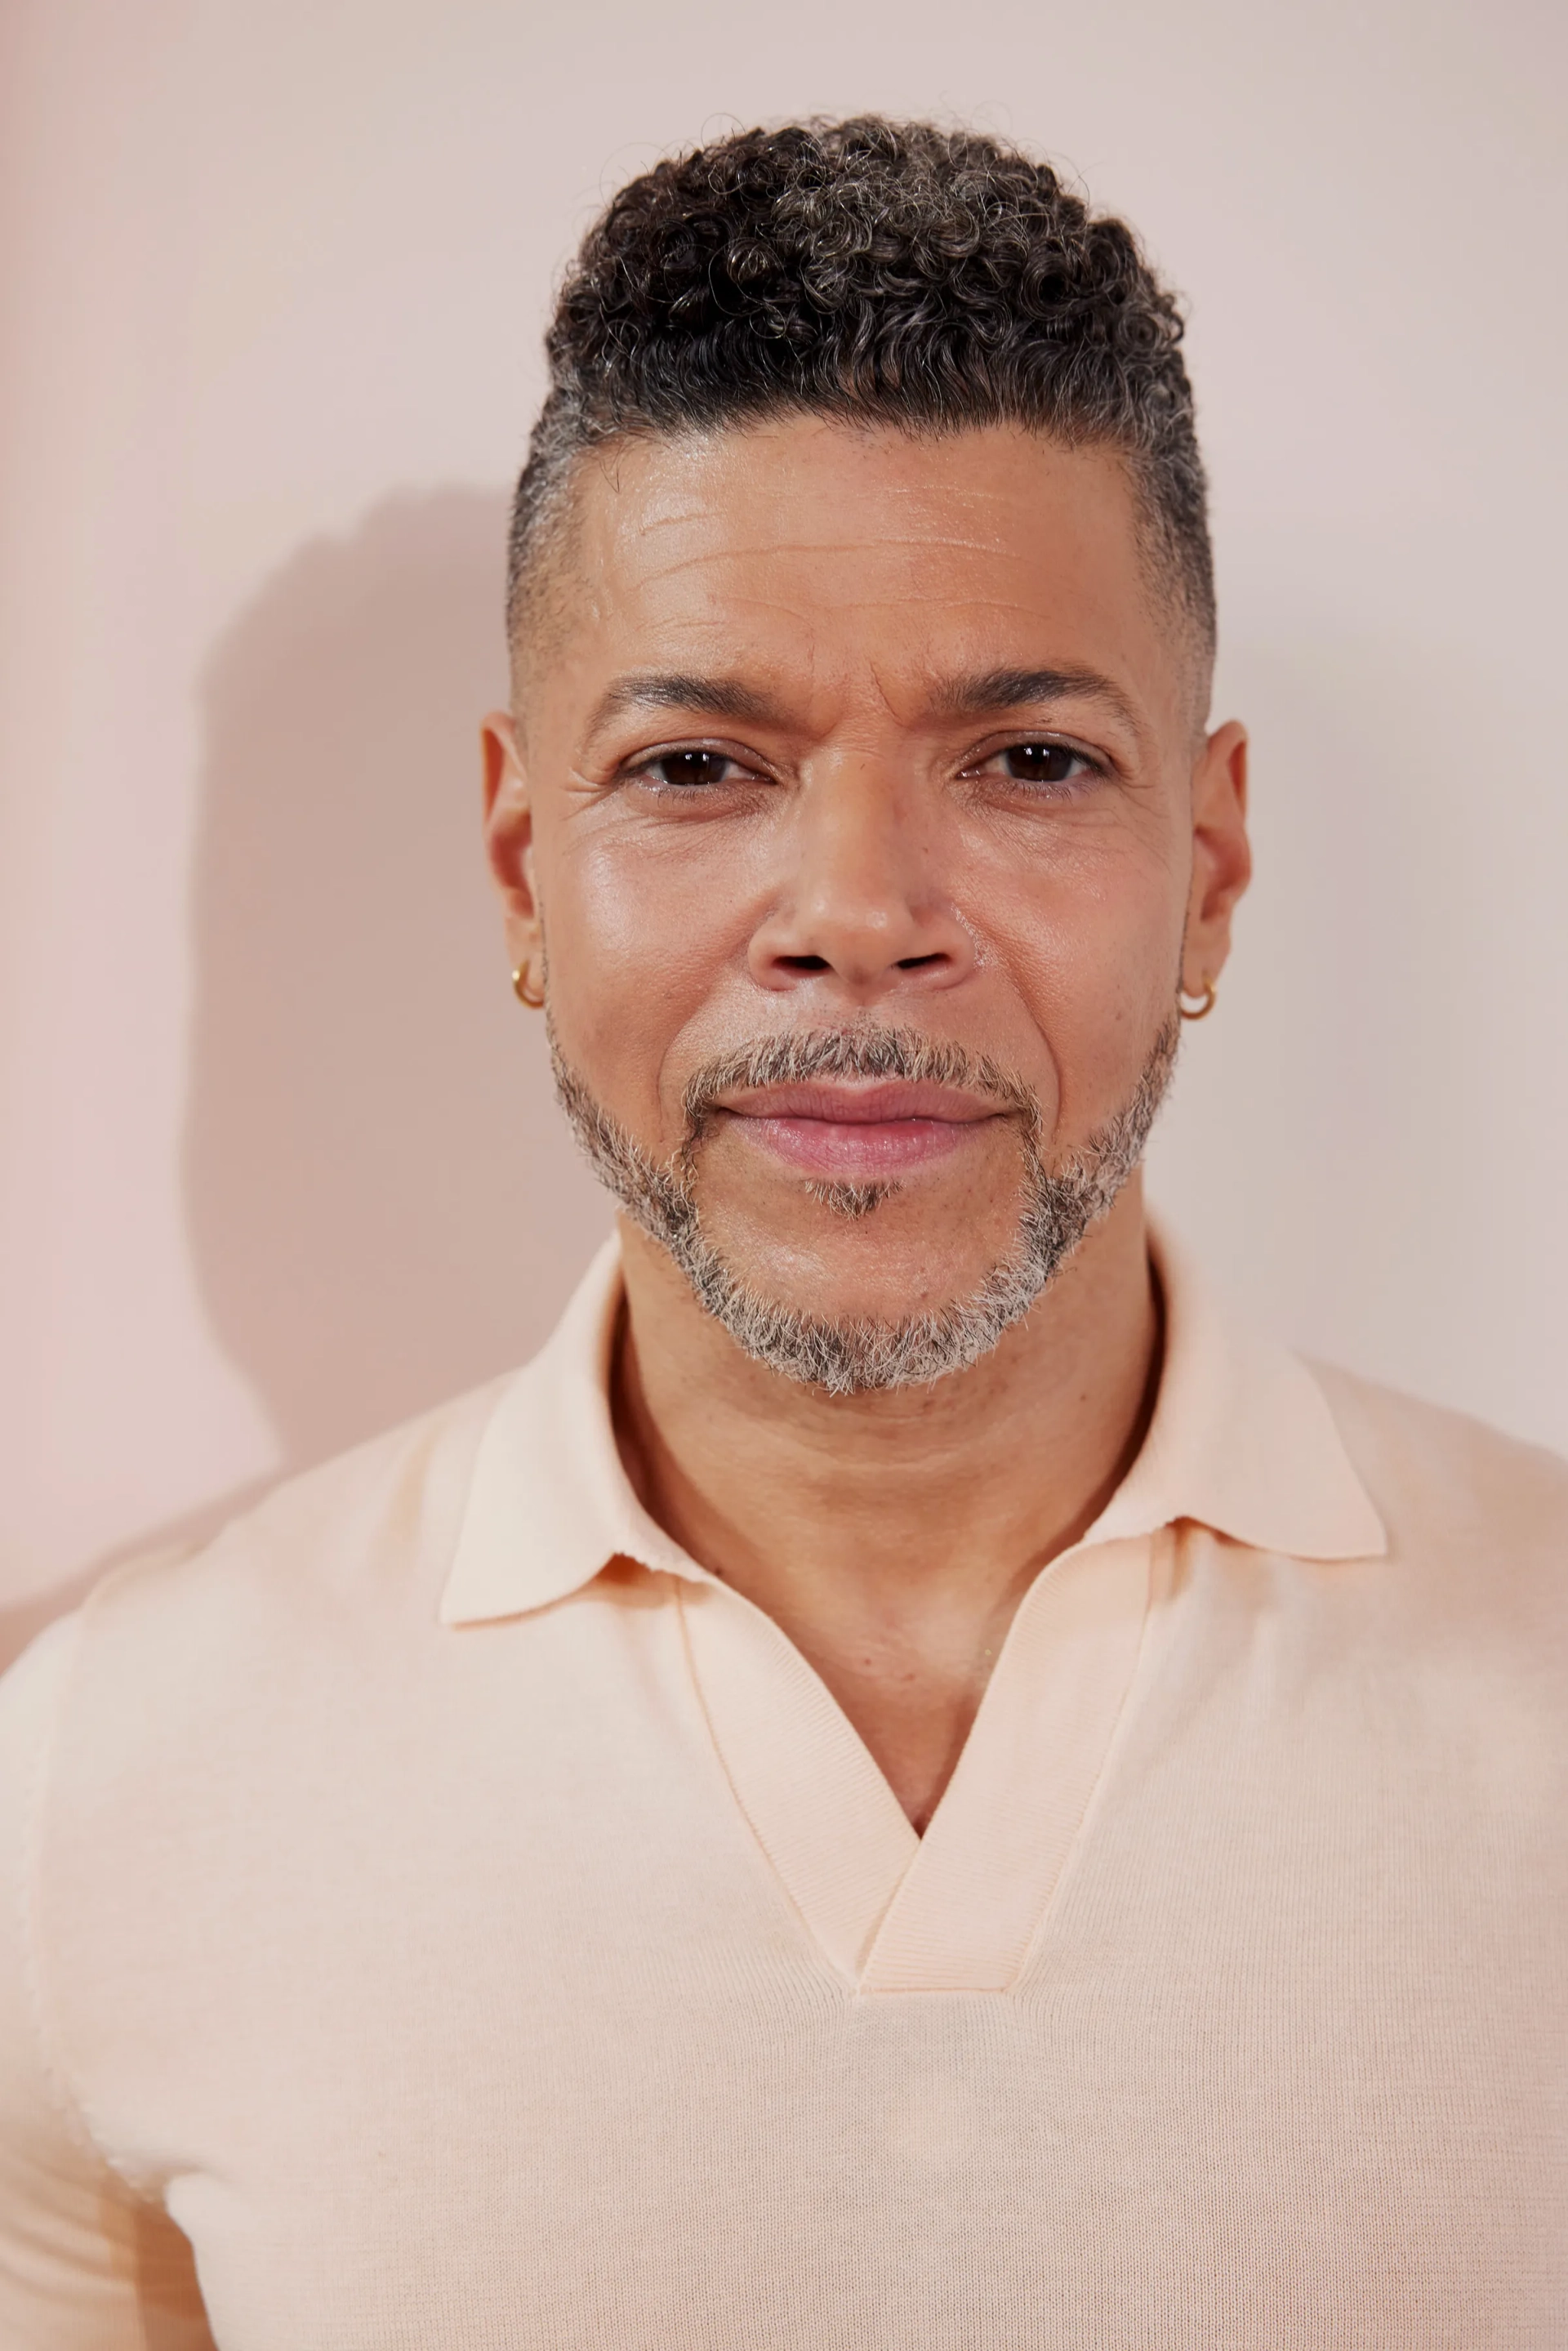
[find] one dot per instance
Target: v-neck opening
(957, 1908)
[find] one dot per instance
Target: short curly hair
(882, 272)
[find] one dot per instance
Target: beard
(1057, 1205)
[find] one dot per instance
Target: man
(903, 1785)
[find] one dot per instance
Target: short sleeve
(83, 2264)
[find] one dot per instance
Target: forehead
(807, 545)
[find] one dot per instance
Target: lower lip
(851, 1151)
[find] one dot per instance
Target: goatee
(1057, 1205)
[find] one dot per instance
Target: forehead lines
(980, 693)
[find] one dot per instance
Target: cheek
(643, 936)
(1090, 942)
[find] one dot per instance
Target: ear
(1221, 854)
(509, 839)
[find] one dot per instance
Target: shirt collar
(1241, 1440)
(1241, 1437)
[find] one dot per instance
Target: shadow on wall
(385, 1207)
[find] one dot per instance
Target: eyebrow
(971, 697)
(716, 697)
(1008, 689)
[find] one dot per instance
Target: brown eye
(689, 768)
(1042, 763)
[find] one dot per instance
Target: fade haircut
(883, 273)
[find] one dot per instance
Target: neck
(892, 1535)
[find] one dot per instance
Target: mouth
(841, 1132)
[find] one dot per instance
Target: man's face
(845, 750)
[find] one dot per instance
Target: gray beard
(1057, 1205)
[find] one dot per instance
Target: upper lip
(849, 1102)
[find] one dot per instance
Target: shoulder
(175, 1702)
(1450, 1488)
(1429, 1452)
(327, 1568)
(381, 1516)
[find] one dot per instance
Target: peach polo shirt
(439, 1914)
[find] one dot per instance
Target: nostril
(919, 963)
(803, 962)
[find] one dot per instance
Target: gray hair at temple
(888, 272)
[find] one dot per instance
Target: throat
(913, 1721)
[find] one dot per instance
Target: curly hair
(884, 272)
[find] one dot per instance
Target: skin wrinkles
(956, 543)
(885, 867)
(691, 516)
(1155, 569)
(990, 693)
(785, 760)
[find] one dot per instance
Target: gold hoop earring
(522, 992)
(1201, 1011)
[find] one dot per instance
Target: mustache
(874, 1053)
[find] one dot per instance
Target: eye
(685, 769)
(1047, 764)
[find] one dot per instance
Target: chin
(860, 1254)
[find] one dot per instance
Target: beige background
(280, 1164)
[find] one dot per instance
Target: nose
(865, 909)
